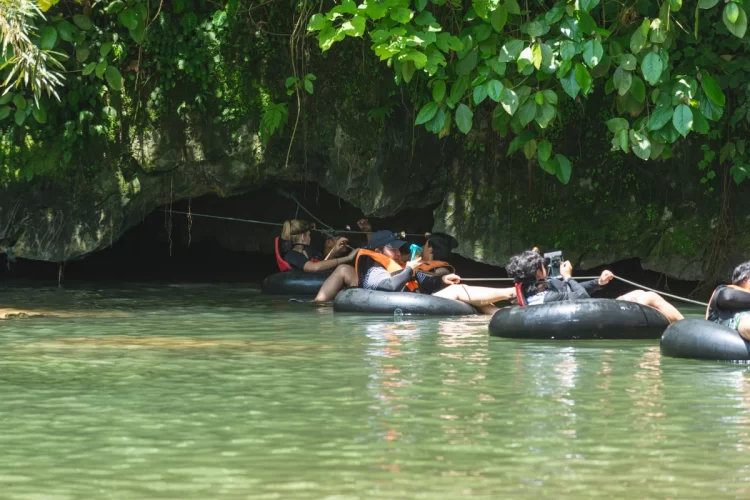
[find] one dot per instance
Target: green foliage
(662, 73)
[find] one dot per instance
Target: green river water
(202, 392)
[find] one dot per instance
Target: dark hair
(442, 246)
(523, 267)
(741, 273)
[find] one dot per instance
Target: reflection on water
(218, 392)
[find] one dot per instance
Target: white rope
(676, 297)
(511, 279)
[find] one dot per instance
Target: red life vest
(434, 264)
(519, 295)
(389, 264)
(283, 265)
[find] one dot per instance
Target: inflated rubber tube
(579, 319)
(701, 339)
(371, 301)
(294, 283)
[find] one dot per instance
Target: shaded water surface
(218, 392)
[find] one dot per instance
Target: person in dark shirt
(301, 256)
(528, 270)
(730, 304)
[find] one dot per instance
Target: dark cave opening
(165, 248)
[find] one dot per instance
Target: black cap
(380, 239)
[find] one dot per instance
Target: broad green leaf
(700, 124)
(510, 51)
(519, 141)
(527, 112)
(309, 86)
(568, 50)
(640, 145)
(658, 33)
(425, 18)
(468, 63)
(437, 124)
(499, 18)
(426, 113)
(554, 15)
(48, 38)
(480, 94)
(464, 118)
(19, 117)
(637, 41)
(539, 98)
(570, 28)
(544, 114)
(529, 149)
(550, 96)
(494, 90)
(583, 78)
(592, 53)
(129, 18)
(6, 98)
(512, 7)
(438, 90)
(407, 70)
(318, 21)
(638, 89)
(587, 5)
(100, 68)
(458, 89)
(712, 90)
(525, 59)
(4, 112)
(616, 124)
(114, 78)
(420, 4)
(628, 62)
(401, 15)
(19, 101)
(564, 168)
(739, 26)
(89, 68)
(115, 7)
(707, 4)
(570, 85)
(675, 5)
(549, 166)
(621, 140)
(622, 79)
(82, 22)
(651, 66)
(586, 22)
(66, 30)
(710, 110)
(509, 101)
(682, 119)
(40, 115)
(354, 26)
(732, 12)
(544, 150)
(536, 55)
(82, 53)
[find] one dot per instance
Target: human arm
(731, 299)
(327, 265)
(564, 290)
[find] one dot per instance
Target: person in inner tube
(528, 270)
(374, 275)
(730, 304)
(300, 255)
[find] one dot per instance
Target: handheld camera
(553, 261)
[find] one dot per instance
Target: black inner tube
(701, 339)
(371, 301)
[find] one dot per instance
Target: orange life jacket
(713, 294)
(426, 267)
(389, 264)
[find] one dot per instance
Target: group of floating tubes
(591, 319)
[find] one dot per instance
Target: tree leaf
(100, 68)
(407, 70)
(40, 114)
(622, 79)
(637, 41)
(638, 89)
(640, 145)
(89, 68)
(519, 141)
(545, 114)
(438, 90)
(401, 15)
(592, 53)
(129, 18)
(138, 33)
(583, 78)
(82, 52)
(19, 101)
(536, 55)
(480, 94)
(458, 89)
(426, 113)
(499, 18)
(682, 119)
(494, 90)
(550, 96)
(707, 4)
(513, 7)
(675, 5)
(621, 140)
(570, 85)
(568, 50)
(527, 112)
(19, 117)
(628, 62)
(732, 12)
(509, 101)
(114, 78)
(309, 86)
(586, 22)
(700, 124)
(115, 7)
(660, 117)
(48, 38)
(651, 66)
(739, 26)
(616, 124)
(564, 168)
(82, 22)
(318, 21)
(712, 90)
(420, 4)
(468, 63)
(529, 149)
(544, 150)
(710, 110)
(510, 51)
(66, 30)
(4, 112)
(464, 118)
(525, 59)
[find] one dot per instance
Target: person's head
(439, 246)
(741, 275)
(297, 230)
(386, 243)
(330, 242)
(527, 266)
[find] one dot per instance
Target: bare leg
(654, 300)
(343, 276)
(744, 327)
(478, 296)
